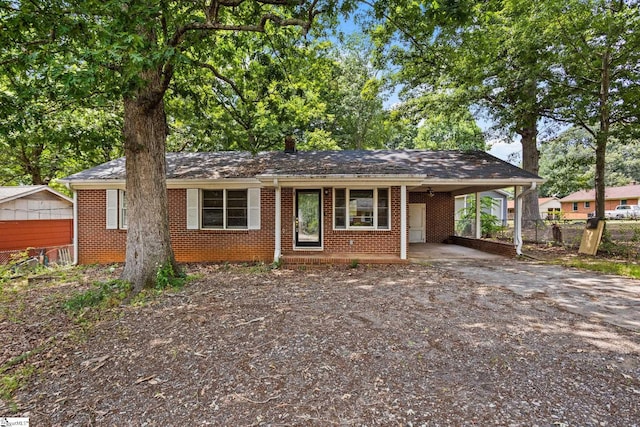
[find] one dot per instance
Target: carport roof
(424, 164)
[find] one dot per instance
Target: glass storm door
(308, 219)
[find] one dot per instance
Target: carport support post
(478, 217)
(517, 219)
(519, 193)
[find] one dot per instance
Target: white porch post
(517, 223)
(517, 220)
(277, 252)
(403, 222)
(478, 216)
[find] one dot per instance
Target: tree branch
(212, 23)
(225, 79)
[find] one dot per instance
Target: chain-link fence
(570, 233)
(60, 255)
(621, 236)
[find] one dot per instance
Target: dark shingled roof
(234, 164)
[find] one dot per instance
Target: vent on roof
(289, 144)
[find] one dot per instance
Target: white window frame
(225, 207)
(376, 226)
(195, 206)
(115, 208)
(123, 218)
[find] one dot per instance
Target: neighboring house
(498, 207)
(549, 207)
(580, 204)
(34, 216)
(235, 206)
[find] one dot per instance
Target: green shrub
(166, 277)
(105, 294)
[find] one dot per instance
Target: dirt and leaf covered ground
(368, 346)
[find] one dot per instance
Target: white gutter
(75, 226)
(517, 224)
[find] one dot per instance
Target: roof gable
(17, 192)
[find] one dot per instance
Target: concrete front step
(340, 259)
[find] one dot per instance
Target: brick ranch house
(580, 204)
(331, 205)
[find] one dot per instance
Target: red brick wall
(343, 241)
(221, 245)
(440, 215)
(96, 244)
(490, 246)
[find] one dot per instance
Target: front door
(417, 223)
(308, 231)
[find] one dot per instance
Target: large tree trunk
(148, 240)
(530, 162)
(603, 134)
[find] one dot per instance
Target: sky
(502, 150)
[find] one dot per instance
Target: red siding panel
(42, 233)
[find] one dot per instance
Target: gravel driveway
(598, 297)
(407, 345)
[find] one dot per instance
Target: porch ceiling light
(430, 192)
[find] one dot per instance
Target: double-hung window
(361, 208)
(116, 213)
(124, 222)
(225, 209)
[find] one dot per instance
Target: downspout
(75, 225)
(277, 252)
(517, 225)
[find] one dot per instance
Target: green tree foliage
(355, 98)
(568, 163)
(43, 139)
(594, 81)
(450, 132)
(130, 52)
(268, 89)
(485, 55)
(328, 97)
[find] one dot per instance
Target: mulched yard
(369, 346)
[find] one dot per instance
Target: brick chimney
(289, 144)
